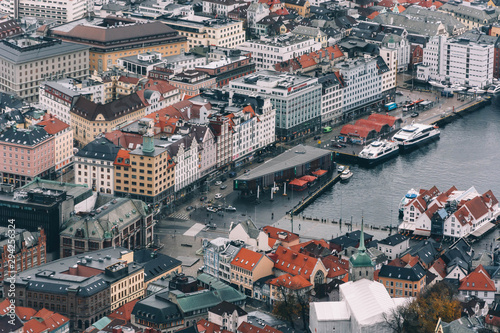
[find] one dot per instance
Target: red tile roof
(288, 281)
(159, 85)
(335, 266)
(478, 280)
(440, 267)
(377, 126)
(247, 259)
(124, 155)
(295, 263)
(34, 326)
(358, 131)
(128, 141)
(124, 311)
(52, 125)
(383, 118)
(373, 15)
(249, 328)
(280, 234)
(25, 313)
(398, 262)
(205, 326)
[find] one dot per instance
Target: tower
(360, 264)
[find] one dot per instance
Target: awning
(298, 182)
(319, 172)
(308, 178)
(482, 230)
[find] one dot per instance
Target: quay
(311, 197)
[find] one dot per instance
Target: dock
(311, 197)
(462, 111)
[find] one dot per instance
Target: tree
(422, 313)
(293, 300)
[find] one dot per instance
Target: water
(468, 154)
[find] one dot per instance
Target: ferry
(346, 175)
(412, 194)
(378, 151)
(476, 90)
(494, 89)
(414, 135)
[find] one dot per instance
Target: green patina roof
(101, 323)
(206, 298)
(361, 259)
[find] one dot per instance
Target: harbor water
(467, 154)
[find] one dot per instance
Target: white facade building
(458, 61)
(268, 51)
(220, 8)
(389, 56)
(208, 149)
(256, 12)
(61, 11)
(394, 245)
(331, 99)
(185, 154)
(363, 84)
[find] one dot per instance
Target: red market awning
(319, 172)
(308, 178)
(297, 182)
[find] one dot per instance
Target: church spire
(361, 247)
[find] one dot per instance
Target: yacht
(476, 90)
(414, 135)
(341, 168)
(412, 194)
(437, 84)
(346, 175)
(378, 151)
(457, 88)
(494, 89)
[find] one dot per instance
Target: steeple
(361, 247)
(360, 263)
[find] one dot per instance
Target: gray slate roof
(25, 137)
(100, 149)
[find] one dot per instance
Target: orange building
(402, 281)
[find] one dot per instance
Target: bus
(391, 106)
(412, 106)
(327, 129)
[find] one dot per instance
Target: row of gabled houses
(452, 214)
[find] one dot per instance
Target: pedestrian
(272, 216)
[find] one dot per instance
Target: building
(250, 235)
(141, 63)
(292, 262)
(206, 31)
(117, 222)
(9, 27)
(27, 154)
(287, 284)
(478, 283)
(190, 82)
(271, 50)
(294, 163)
(42, 203)
(458, 60)
(81, 288)
(394, 245)
(111, 38)
(57, 11)
(218, 255)
(36, 321)
(174, 63)
(296, 99)
(311, 32)
(227, 315)
(94, 165)
(216, 8)
(331, 99)
(90, 119)
(361, 309)
(221, 128)
(387, 64)
(360, 264)
(471, 16)
(282, 236)
(157, 311)
(302, 7)
(28, 61)
(256, 12)
(358, 73)
(248, 267)
(146, 173)
(29, 251)
(403, 281)
(63, 141)
(229, 68)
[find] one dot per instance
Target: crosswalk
(194, 230)
(179, 216)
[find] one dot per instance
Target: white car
(217, 183)
(218, 196)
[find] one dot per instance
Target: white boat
(476, 90)
(437, 84)
(457, 88)
(341, 168)
(378, 151)
(494, 89)
(414, 135)
(412, 194)
(346, 174)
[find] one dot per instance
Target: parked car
(247, 170)
(218, 195)
(217, 183)
(203, 198)
(230, 209)
(414, 115)
(232, 174)
(336, 145)
(223, 187)
(188, 208)
(317, 137)
(260, 160)
(211, 209)
(399, 93)
(223, 178)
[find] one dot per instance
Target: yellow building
(145, 173)
(248, 267)
(302, 7)
(115, 37)
(90, 119)
(225, 33)
(127, 283)
(311, 32)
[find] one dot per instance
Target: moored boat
(346, 175)
(414, 135)
(378, 151)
